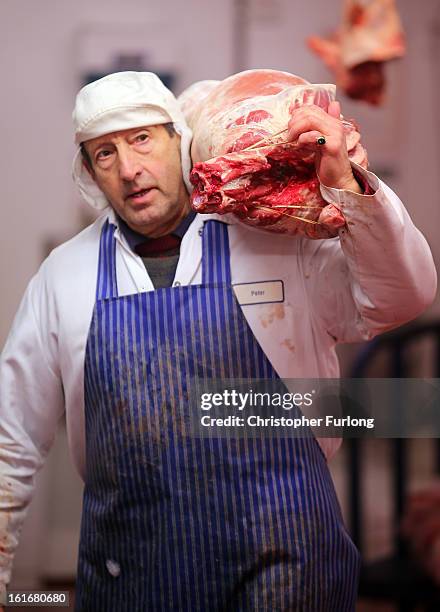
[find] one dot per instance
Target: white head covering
(121, 101)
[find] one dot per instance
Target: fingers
(331, 159)
(334, 109)
(306, 130)
(310, 118)
(303, 124)
(309, 139)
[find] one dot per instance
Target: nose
(129, 163)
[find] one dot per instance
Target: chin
(147, 221)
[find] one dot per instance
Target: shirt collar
(133, 238)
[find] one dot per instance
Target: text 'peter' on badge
(263, 292)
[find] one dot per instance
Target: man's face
(139, 171)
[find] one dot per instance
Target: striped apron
(172, 521)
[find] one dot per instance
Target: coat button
(177, 284)
(200, 231)
(113, 567)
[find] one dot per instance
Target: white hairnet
(121, 101)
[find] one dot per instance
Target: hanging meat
(370, 35)
(241, 168)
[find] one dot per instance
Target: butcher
(120, 321)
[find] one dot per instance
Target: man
(120, 321)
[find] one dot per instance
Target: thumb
(334, 109)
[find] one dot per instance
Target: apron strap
(106, 284)
(216, 268)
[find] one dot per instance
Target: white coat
(377, 275)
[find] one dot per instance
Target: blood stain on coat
(272, 313)
(5, 520)
(288, 344)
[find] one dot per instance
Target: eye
(142, 137)
(103, 154)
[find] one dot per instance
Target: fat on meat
(271, 187)
(193, 95)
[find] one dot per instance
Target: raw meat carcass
(272, 187)
(193, 95)
(370, 35)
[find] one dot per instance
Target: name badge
(265, 292)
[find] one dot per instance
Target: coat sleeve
(31, 403)
(378, 274)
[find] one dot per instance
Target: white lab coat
(377, 275)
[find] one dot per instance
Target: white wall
(404, 135)
(38, 63)
(39, 78)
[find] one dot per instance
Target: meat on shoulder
(240, 168)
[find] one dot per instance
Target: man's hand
(333, 167)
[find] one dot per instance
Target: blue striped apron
(176, 522)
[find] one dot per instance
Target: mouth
(139, 196)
